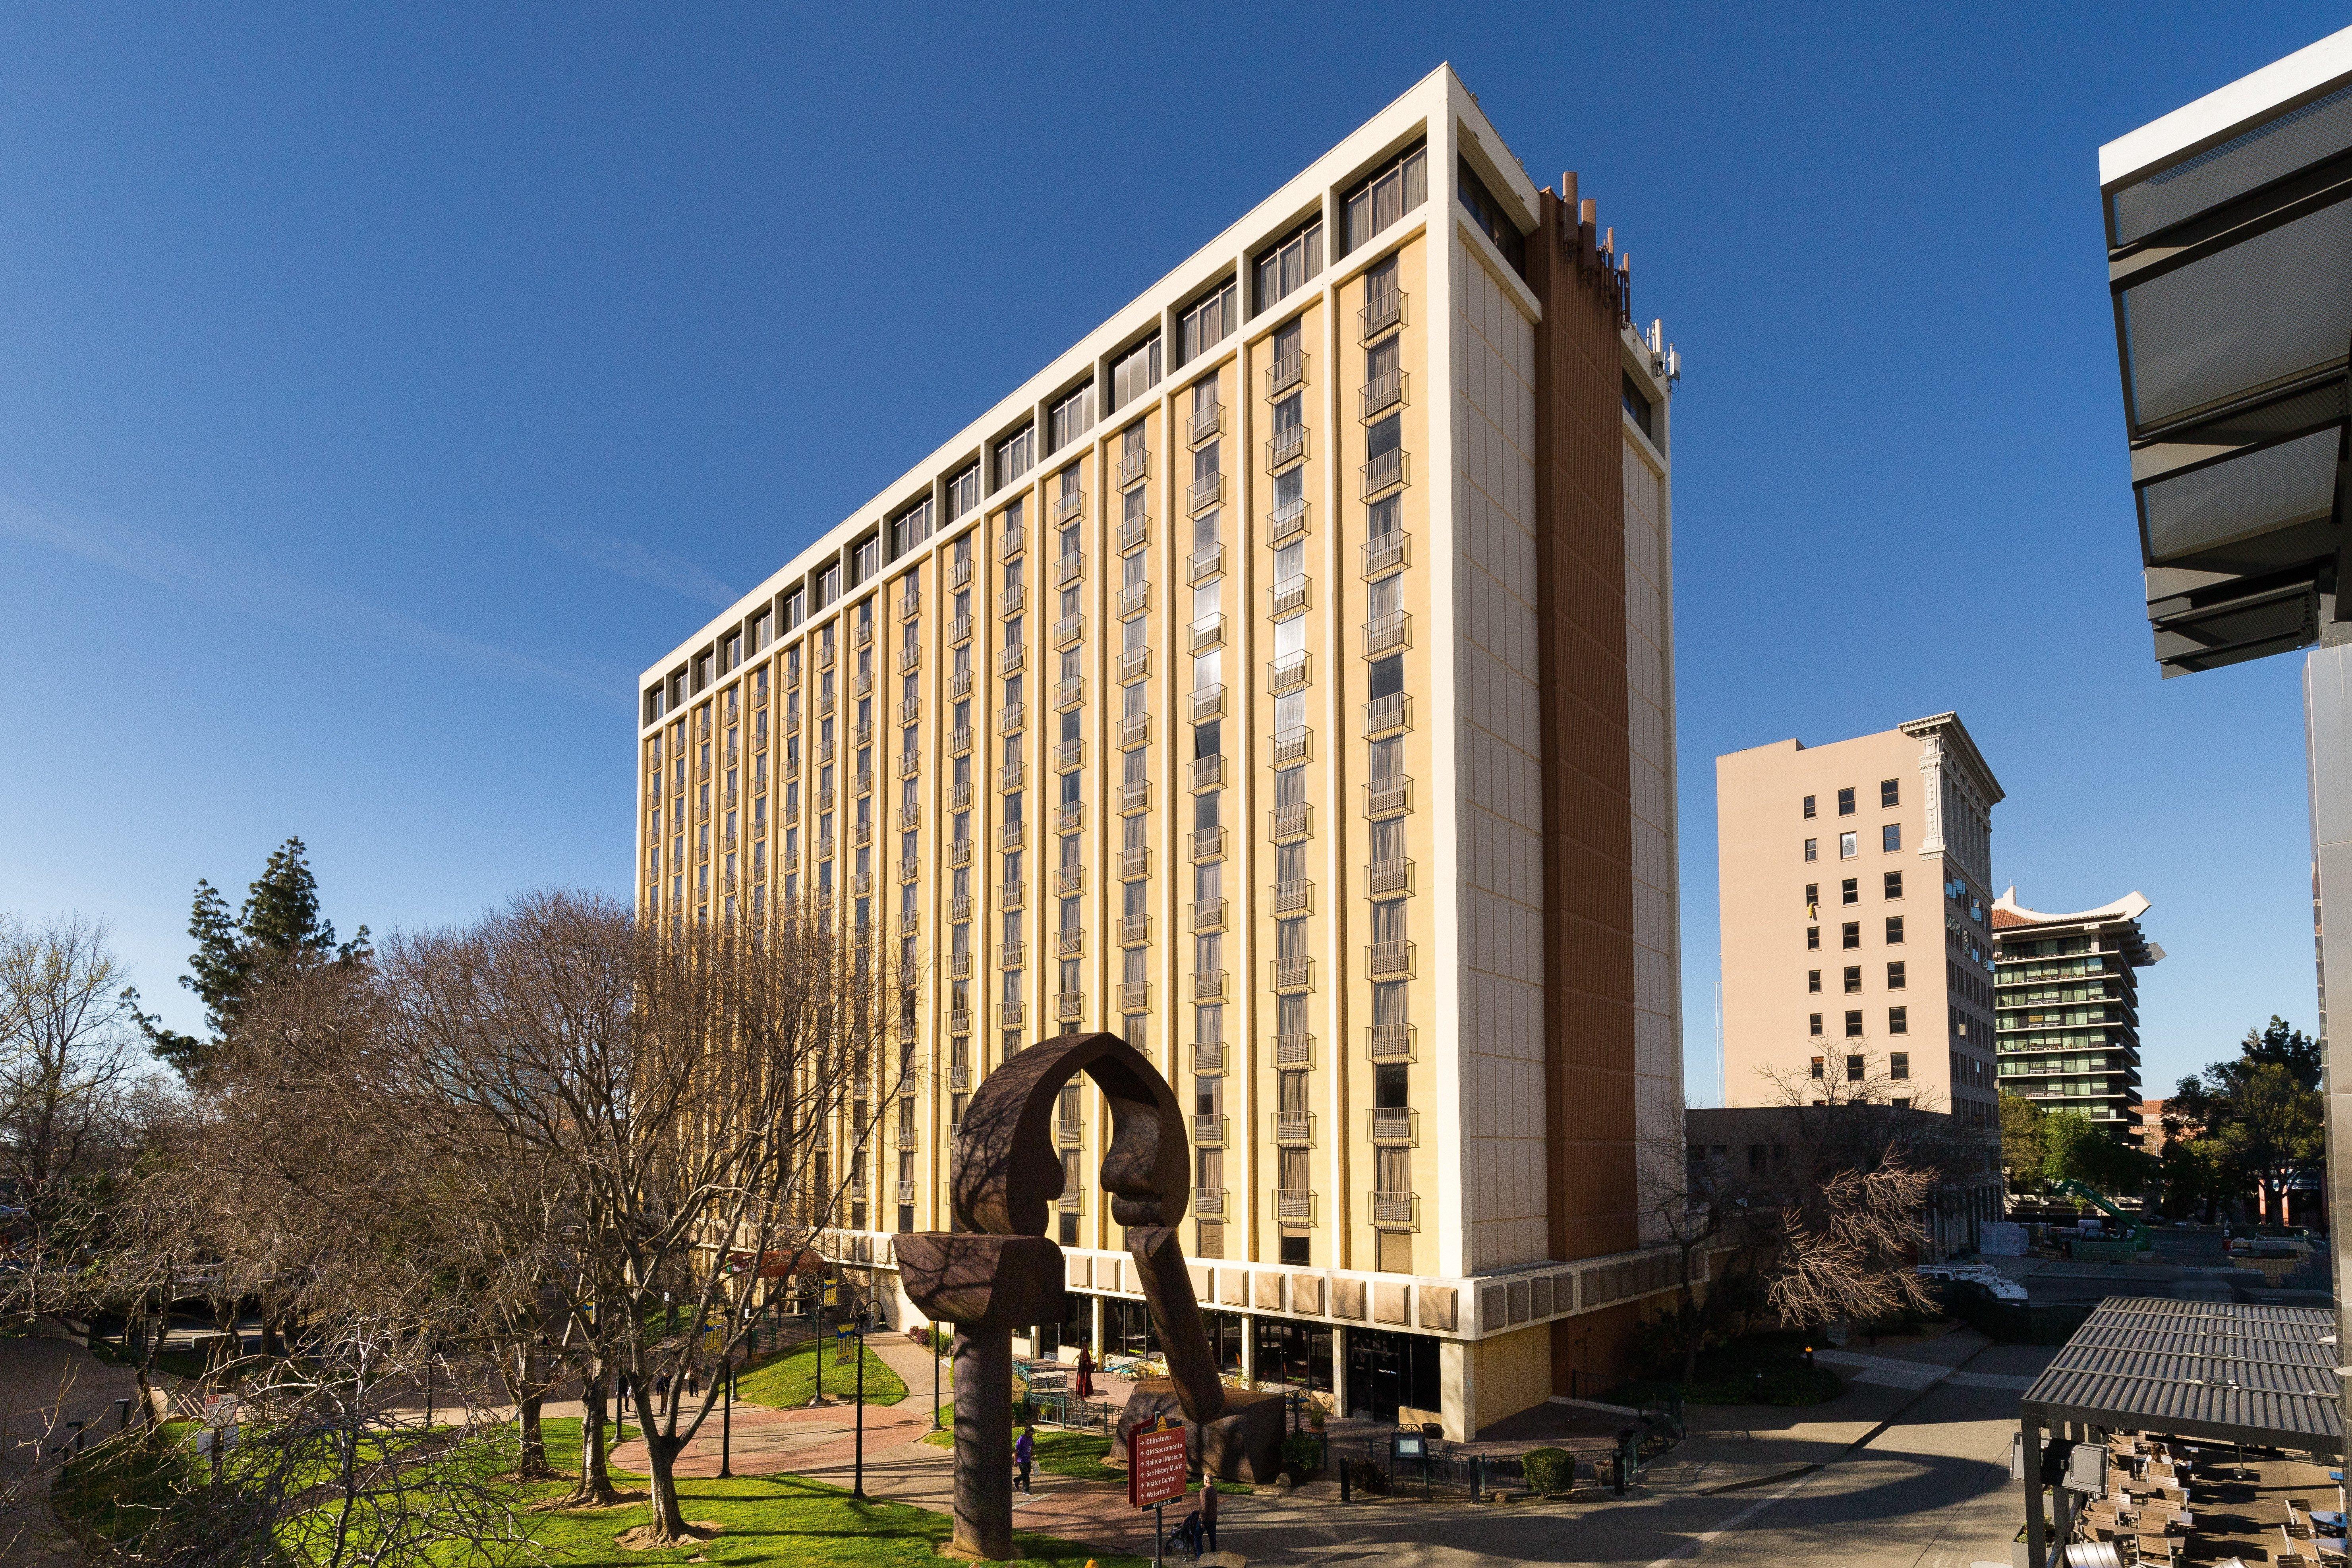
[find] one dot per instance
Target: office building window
(1890, 792)
(1850, 891)
(1487, 213)
(1812, 850)
(1816, 1023)
(1894, 928)
(1207, 322)
(1845, 803)
(1288, 263)
(1384, 196)
(1813, 897)
(1812, 980)
(1809, 808)
(1899, 1062)
(1818, 1063)
(1135, 372)
(1890, 837)
(1070, 417)
(1893, 884)
(1896, 977)
(1637, 404)
(1847, 849)
(1898, 1022)
(1849, 934)
(1853, 979)
(1812, 938)
(1013, 456)
(1853, 1025)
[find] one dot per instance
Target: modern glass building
(2066, 1008)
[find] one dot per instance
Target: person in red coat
(1086, 1374)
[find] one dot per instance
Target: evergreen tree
(278, 930)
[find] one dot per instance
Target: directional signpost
(1156, 1474)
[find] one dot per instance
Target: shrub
(1368, 1477)
(1549, 1471)
(1302, 1455)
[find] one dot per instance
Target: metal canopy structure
(2230, 263)
(2264, 1376)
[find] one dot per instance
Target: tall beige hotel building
(1855, 883)
(1282, 679)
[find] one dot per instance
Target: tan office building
(1857, 941)
(1281, 678)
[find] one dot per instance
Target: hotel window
(1845, 803)
(1899, 1062)
(1854, 1064)
(1070, 418)
(1812, 980)
(1853, 979)
(793, 612)
(1133, 373)
(1482, 206)
(1890, 792)
(1288, 263)
(1812, 938)
(1896, 975)
(1847, 848)
(1850, 891)
(1853, 1025)
(963, 494)
(910, 528)
(1893, 884)
(1812, 850)
(1849, 934)
(1013, 456)
(1818, 1063)
(1384, 196)
(1898, 1022)
(863, 559)
(1808, 808)
(1381, 523)
(828, 589)
(1894, 928)
(1890, 837)
(1207, 322)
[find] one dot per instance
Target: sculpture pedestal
(1244, 1444)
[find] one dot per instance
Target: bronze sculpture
(997, 1271)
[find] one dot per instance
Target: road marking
(1731, 1525)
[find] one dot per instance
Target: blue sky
(381, 389)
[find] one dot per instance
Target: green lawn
(790, 1378)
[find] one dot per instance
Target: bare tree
(72, 1093)
(688, 1083)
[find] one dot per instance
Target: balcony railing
(960, 630)
(1070, 943)
(1070, 693)
(1203, 493)
(1383, 714)
(1134, 665)
(1398, 1126)
(1384, 472)
(1286, 446)
(1388, 796)
(1396, 1210)
(1286, 522)
(1291, 821)
(1209, 1055)
(1380, 311)
(1135, 996)
(958, 686)
(1293, 744)
(1294, 974)
(1207, 632)
(1134, 931)
(1069, 879)
(1134, 535)
(1069, 1006)
(1069, 504)
(909, 868)
(1209, 985)
(1388, 957)
(959, 968)
(959, 851)
(1204, 422)
(1208, 772)
(1294, 1050)
(1010, 601)
(1383, 393)
(1384, 877)
(959, 572)
(1134, 863)
(1010, 541)
(910, 763)
(1010, 660)
(1293, 1127)
(959, 1077)
(1133, 466)
(1287, 672)
(1209, 1202)
(1012, 1014)
(1294, 897)
(909, 816)
(1386, 633)
(959, 1020)
(1286, 371)
(1204, 563)
(910, 604)
(1209, 702)
(861, 635)
(1134, 797)
(910, 656)
(1071, 1200)
(1012, 834)
(1208, 843)
(1134, 599)
(1135, 732)
(1070, 630)
(1296, 1204)
(1069, 1132)
(1069, 754)
(1070, 818)
(907, 1189)
(1286, 595)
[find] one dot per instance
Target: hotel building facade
(1856, 911)
(2068, 1009)
(1282, 679)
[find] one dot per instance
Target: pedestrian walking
(1086, 1374)
(1209, 1511)
(1025, 1452)
(694, 1382)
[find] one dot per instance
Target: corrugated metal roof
(2200, 1369)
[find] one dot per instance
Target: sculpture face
(1004, 1174)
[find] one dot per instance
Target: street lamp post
(932, 1333)
(857, 1487)
(727, 1423)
